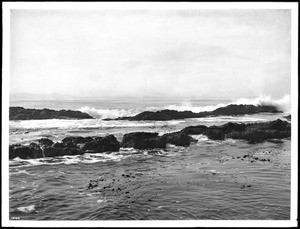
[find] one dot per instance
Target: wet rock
(143, 140)
(45, 142)
(20, 113)
(230, 126)
(231, 110)
(52, 152)
(102, 144)
(259, 132)
(58, 145)
(25, 152)
(73, 141)
(178, 139)
(214, 134)
(194, 130)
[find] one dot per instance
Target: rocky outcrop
(214, 134)
(68, 146)
(101, 144)
(146, 140)
(25, 152)
(77, 145)
(194, 130)
(143, 140)
(231, 110)
(178, 139)
(259, 132)
(20, 113)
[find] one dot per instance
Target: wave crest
(283, 104)
(108, 113)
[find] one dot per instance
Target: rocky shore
(230, 110)
(21, 113)
(76, 145)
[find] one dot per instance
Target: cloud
(144, 53)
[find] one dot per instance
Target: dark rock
(52, 152)
(178, 139)
(20, 113)
(102, 144)
(234, 109)
(214, 134)
(58, 145)
(288, 117)
(230, 126)
(194, 130)
(45, 142)
(25, 152)
(231, 110)
(74, 141)
(259, 132)
(143, 140)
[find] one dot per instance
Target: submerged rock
(21, 113)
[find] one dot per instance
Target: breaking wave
(108, 113)
(283, 104)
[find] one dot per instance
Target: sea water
(224, 180)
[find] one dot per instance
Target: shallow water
(208, 180)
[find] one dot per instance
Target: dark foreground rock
(272, 131)
(230, 110)
(146, 140)
(143, 140)
(20, 113)
(68, 146)
(259, 132)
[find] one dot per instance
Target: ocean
(209, 180)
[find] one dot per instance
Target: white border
(7, 6)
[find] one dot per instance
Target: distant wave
(282, 104)
(108, 113)
(187, 106)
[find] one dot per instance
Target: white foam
(108, 113)
(27, 209)
(85, 124)
(187, 106)
(283, 104)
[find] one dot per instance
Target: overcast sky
(196, 53)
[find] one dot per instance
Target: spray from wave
(283, 104)
(108, 113)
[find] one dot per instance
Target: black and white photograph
(150, 114)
